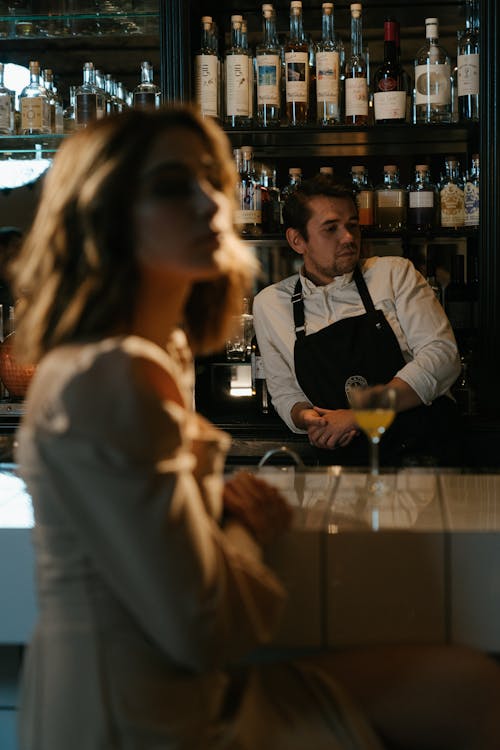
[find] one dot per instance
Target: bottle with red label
(390, 95)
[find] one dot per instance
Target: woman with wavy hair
(151, 587)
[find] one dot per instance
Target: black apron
(360, 348)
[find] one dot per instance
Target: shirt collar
(309, 287)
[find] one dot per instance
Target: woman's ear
(295, 240)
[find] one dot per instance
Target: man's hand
(330, 428)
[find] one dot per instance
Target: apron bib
(364, 349)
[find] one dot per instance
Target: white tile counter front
(422, 564)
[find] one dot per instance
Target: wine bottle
(389, 94)
(471, 194)
(422, 200)
(468, 65)
(206, 71)
(432, 78)
(7, 106)
(390, 201)
(328, 71)
(237, 86)
(356, 74)
(268, 61)
(248, 216)
(297, 69)
(34, 104)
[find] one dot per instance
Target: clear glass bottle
(432, 78)
(113, 104)
(55, 102)
(146, 95)
(328, 71)
(451, 195)
(248, 216)
(268, 62)
(363, 194)
(250, 61)
(471, 194)
(259, 386)
(122, 95)
(468, 65)
(34, 104)
(270, 197)
(356, 74)
(237, 85)
(297, 68)
(422, 200)
(69, 112)
(390, 201)
(207, 71)
(89, 99)
(7, 106)
(389, 92)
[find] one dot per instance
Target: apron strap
(363, 290)
(298, 310)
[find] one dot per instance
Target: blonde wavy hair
(76, 276)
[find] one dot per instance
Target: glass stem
(374, 457)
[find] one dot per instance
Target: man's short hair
(296, 210)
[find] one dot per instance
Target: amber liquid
(374, 422)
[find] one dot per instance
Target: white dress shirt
(397, 288)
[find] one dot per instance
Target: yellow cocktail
(374, 422)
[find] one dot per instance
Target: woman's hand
(257, 505)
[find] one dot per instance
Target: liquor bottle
(34, 104)
(7, 106)
(239, 344)
(55, 103)
(294, 180)
(207, 71)
(69, 112)
(237, 84)
(356, 74)
(268, 61)
(248, 216)
(364, 195)
(259, 386)
(432, 78)
(422, 200)
(297, 68)
(89, 99)
(328, 71)
(468, 65)
(146, 95)
(451, 195)
(251, 77)
(471, 194)
(122, 95)
(389, 93)
(390, 201)
(270, 198)
(113, 103)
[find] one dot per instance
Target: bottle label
(268, 80)
(248, 216)
(452, 206)
(297, 76)
(468, 75)
(5, 113)
(85, 108)
(327, 77)
(471, 204)
(422, 199)
(35, 113)
(391, 198)
(356, 97)
(390, 105)
(237, 86)
(206, 77)
(257, 365)
(432, 84)
(250, 85)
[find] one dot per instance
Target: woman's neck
(159, 307)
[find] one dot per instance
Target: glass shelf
(29, 146)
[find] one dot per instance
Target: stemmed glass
(374, 410)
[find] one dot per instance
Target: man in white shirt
(343, 321)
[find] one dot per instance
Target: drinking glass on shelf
(374, 410)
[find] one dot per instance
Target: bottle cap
(356, 9)
(358, 169)
(295, 170)
(327, 6)
(236, 19)
(326, 170)
(390, 168)
(206, 19)
(422, 167)
(296, 4)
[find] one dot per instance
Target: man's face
(334, 239)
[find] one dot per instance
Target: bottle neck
(206, 38)
(390, 42)
(146, 74)
(236, 37)
(247, 163)
(269, 35)
(296, 27)
(391, 178)
(422, 177)
(327, 28)
(356, 36)
(34, 76)
(2, 76)
(89, 76)
(452, 171)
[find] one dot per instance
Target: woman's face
(181, 216)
